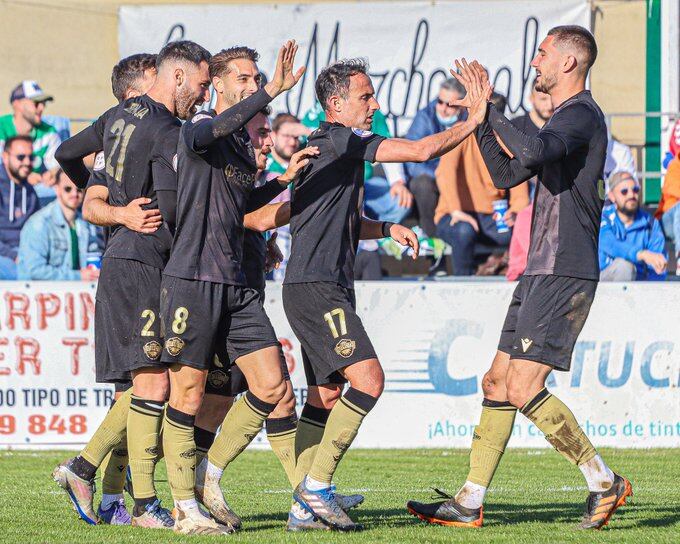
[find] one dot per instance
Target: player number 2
(146, 330)
(331, 323)
(123, 133)
(179, 325)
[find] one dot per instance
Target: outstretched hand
(284, 78)
(475, 79)
(297, 162)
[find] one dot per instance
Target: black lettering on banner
(402, 90)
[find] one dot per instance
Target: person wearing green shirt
(28, 103)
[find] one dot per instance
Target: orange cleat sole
(469, 524)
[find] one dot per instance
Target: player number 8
(179, 325)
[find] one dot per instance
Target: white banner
(410, 45)
(434, 339)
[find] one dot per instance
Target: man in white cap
(28, 102)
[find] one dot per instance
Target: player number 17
(331, 323)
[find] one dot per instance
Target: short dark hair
(499, 101)
(219, 63)
(578, 38)
(183, 50)
(281, 119)
(266, 111)
(128, 70)
(334, 78)
(18, 138)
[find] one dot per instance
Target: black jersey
(326, 206)
(525, 124)
(139, 140)
(215, 190)
(568, 155)
(254, 259)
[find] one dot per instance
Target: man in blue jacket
(18, 200)
(56, 240)
(436, 117)
(631, 240)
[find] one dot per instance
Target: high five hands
(284, 78)
(475, 79)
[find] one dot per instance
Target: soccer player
(318, 290)
(224, 383)
(204, 296)
(139, 139)
(132, 76)
(552, 300)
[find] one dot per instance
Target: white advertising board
(434, 339)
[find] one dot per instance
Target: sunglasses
(442, 102)
(69, 188)
(635, 190)
(22, 157)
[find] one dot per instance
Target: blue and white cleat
(324, 506)
(116, 514)
(154, 517)
(301, 520)
(80, 491)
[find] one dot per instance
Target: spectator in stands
(55, 240)
(541, 110)
(465, 213)
(669, 205)
(436, 117)
(287, 132)
(519, 244)
(18, 200)
(631, 240)
(28, 102)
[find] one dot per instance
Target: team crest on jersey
(174, 345)
(152, 350)
(98, 162)
(345, 347)
(199, 117)
(218, 378)
(362, 133)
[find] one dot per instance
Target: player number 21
(123, 133)
(331, 323)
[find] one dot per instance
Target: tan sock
(144, 424)
(310, 429)
(342, 427)
(109, 433)
(559, 426)
(241, 425)
(489, 440)
(281, 436)
(114, 467)
(180, 452)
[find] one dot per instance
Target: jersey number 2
(123, 133)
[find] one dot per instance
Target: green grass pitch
(536, 497)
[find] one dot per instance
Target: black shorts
(229, 381)
(545, 317)
(199, 316)
(127, 325)
(323, 317)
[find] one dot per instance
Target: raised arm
(70, 153)
(268, 217)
